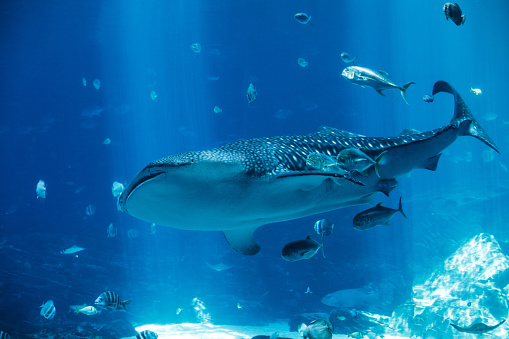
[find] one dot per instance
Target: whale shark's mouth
(141, 179)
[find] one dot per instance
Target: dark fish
(274, 335)
(469, 304)
(453, 11)
(146, 335)
(347, 58)
(478, 328)
(4, 335)
(111, 301)
(303, 18)
(428, 98)
(301, 249)
(377, 215)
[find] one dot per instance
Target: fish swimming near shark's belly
(241, 186)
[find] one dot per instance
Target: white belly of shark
(241, 186)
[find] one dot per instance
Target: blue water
(47, 133)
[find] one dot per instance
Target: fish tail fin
(463, 118)
(377, 162)
(77, 310)
(353, 61)
(400, 209)
(125, 303)
(403, 90)
(323, 251)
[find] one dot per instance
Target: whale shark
(238, 187)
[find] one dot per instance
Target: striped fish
(4, 335)
(146, 335)
(111, 301)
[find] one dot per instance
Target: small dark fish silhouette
(428, 98)
(301, 249)
(478, 328)
(303, 18)
(378, 215)
(453, 11)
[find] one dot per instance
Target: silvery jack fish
(378, 80)
(241, 186)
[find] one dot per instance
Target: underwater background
(156, 96)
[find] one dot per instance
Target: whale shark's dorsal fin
(462, 113)
(241, 239)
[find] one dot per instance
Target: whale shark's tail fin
(462, 113)
(403, 90)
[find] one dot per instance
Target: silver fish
(378, 80)
(347, 58)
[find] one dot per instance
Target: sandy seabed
(209, 331)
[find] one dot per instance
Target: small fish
(476, 91)
(320, 162)
(146, 335)
(378, 80)
(107, 141)
(48, 309)
(71, 250)
(317, 329)
(111, 301)
(41, 190)
(90, 210)
(478, 328)
(301, 249)
(178, 311)
(97, 83)
(308, 290)
(469, 304)
(324, 227)
(153, 228)
(239, 306)
(251, 93)
(303, 18)
(347, 58)
(217, 110)
(111, 231)
(153, 95)
(428, 98)
(356, 335)
(88, 310)
(341, 318)
(196, 47)
(274, 335)
(353, 313)
(453, 11)
(133, 233)
(117, 189)
(4, 335)
(302, 62)
(353, 159)
(84, 82)
(377, 215)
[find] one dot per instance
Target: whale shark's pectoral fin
(241, 239)
(432, 163)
